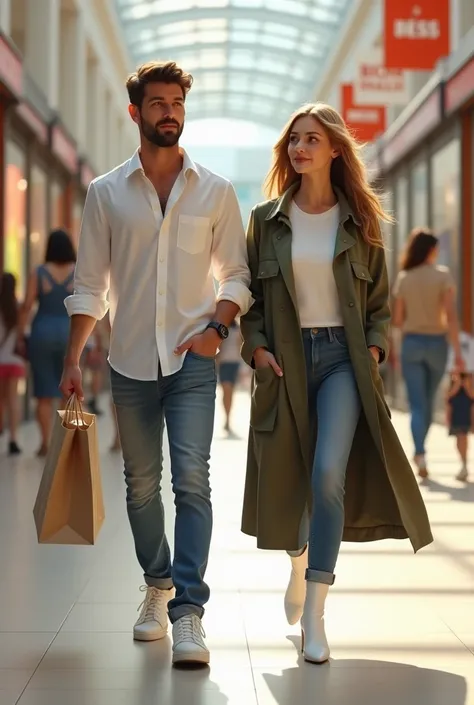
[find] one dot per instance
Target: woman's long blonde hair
(347, 170)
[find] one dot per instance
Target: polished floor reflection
(401, 626)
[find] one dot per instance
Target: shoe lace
(152, 605)
(190, 628)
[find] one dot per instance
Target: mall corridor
(401, 627)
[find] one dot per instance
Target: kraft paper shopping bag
(69, 508)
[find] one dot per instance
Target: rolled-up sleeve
(92, 275)
(229, 255)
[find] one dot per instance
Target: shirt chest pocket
(193, 233)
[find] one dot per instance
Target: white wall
(76, 54)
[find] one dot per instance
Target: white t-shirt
(314, 240)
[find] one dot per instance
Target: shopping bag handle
(74, 413)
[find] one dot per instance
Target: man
(157, 231)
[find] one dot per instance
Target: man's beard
(162, 139)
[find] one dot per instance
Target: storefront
(12, 161)
(425, 165)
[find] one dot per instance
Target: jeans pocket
(340, 338)
(204, 358)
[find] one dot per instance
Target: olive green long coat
(382, 498)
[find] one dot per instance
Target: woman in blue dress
(48, 286)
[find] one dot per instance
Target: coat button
(282, 308)
(351, 304)
(278, 237)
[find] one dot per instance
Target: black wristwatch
(221, 329)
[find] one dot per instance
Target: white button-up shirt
(158, 273)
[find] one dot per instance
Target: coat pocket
(361, 271)
(378, 382)
(264, 405)
(268, 268)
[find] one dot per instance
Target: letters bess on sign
(416, 33)
(366, 122)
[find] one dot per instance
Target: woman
(48, 286)
(12, 367)
(315, 336)
(425, 310)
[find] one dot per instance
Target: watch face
(223, 331)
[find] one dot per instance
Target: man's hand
(71, 381)
(375, 352)
(205, 344)
(264, 358)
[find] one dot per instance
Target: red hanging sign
(416, 33)
(366, 122)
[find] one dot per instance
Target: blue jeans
(186, 401)
(424, 359)
(334, 411)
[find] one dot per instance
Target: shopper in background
(12, 366)
(48, 286)
(460, 416)
(321, 436)
(425, 311)
(229, 363)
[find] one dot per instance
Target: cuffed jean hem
(177, 612)
(160, 583)
(320, 576)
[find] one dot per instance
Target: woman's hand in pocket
(264, 358)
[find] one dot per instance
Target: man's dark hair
(156, 72)
(60, 248)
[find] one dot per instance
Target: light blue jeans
(334, 411)
(424, 359)
(186, 401)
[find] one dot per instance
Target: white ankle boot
(314, 643)
(296, 590)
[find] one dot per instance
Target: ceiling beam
(143, 55)
(277, 120)
(259, 14)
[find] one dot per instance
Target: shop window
(402, 225)
(15, 215)
(58, 205)
(388, 234)
(39, 229)
(419, 195)
(446, 182)
(76, 219)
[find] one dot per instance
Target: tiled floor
(401, 626)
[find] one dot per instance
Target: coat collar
(282, 205)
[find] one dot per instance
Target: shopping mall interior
(402, 626)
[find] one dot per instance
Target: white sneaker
(462, 475)
(152, 623)
(188, 641)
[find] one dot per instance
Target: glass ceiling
(251, 59)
